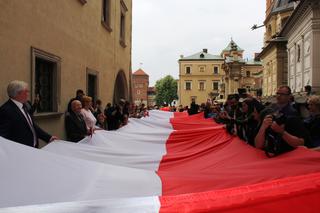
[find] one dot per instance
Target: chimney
(205, 50)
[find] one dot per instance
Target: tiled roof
(202, 56)
(140, 72)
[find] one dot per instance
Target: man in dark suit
(76, 128)
(16, 123)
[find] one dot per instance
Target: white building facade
(303, 33)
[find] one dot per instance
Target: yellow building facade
(201, 78)
(274, 54)
(60, 46)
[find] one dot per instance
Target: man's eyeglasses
(279, 93)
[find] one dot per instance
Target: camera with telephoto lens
(273, 139)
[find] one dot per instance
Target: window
(124, 9)
(202, 68)
(106, 9)
(188, 70)
(188, 85)
(45, 80)
(215, 85)
(215, 70)
(201, 85)
(298, 53)
(92, 84)
(248, 73)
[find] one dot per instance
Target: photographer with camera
(281, 130)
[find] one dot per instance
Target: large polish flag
(168, 162)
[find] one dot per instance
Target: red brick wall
(140, 84)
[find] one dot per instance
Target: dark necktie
(24, 107)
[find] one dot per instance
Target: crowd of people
(274, 127)
(83, 117)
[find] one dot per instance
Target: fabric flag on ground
(168, 162)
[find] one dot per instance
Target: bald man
(74, 123)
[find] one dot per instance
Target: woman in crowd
(312, 123)
(101, 121)
(245, 124)
(87, 114)
(248, 123)
(97, 109)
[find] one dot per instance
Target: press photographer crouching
(281, 129)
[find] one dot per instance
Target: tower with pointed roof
(240, 73)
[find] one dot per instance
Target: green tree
(166, 90)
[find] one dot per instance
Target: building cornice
(186, 60)
(272, 43)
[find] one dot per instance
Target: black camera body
(273, 139)
(279, 118)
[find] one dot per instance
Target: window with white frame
(215, 70)
(188, 85)
(202, 85)
(202, 68)
(188, 70)
(215, 85)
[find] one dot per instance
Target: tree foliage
(166, 90)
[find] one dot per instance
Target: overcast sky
(165, 29)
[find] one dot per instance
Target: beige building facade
(240, 73)
(273, 56)
(201, 78)
(60, 46)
